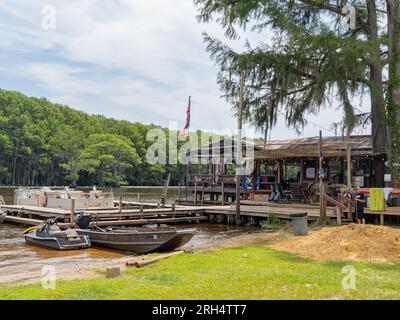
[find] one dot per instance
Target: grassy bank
(251, 272)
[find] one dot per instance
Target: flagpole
(188, 163)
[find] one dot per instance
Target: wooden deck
(153, 214)
(31, 215)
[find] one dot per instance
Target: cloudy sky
(137, 60)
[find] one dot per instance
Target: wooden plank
(390, 211)
(302, 206)
(35, 222)
(19, 220)
(312, 216)
(36, 209)
(287, 210)
(146, 221)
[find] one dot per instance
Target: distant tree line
(42, 143)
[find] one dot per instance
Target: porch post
(321, 183)
(348, 152)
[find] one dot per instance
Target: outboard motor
(83, 220)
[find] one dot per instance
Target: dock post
(72, 215)
(202, 195)
(338, 216)
(141, 211)
(322, 212)
(138, 197)
(223, 193)
(179, 193)
(195, 193)
(120, 204)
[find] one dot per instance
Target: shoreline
(97, 269)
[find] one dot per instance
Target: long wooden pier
(149, 213)
(141, 213)
(32, 215)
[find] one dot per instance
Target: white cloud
(136, 60)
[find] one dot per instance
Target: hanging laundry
(377, 199)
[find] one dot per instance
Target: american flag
(185, 130)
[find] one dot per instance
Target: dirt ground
(361, 243)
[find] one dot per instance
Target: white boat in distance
(46, 197)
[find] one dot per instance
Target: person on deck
(360, 204)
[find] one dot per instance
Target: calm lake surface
(16, 256)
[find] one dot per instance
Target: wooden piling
(338, 216)
(202, 194)
(179, 192)
(195, 193)
(72, 215)
(223, 193)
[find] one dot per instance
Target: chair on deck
(277, 194)
(296, 192)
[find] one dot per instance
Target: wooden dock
(31, 215)
(152, 213)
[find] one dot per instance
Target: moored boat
(137, 240)
(49, 235)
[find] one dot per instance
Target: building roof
(334, 146)
(309, 147)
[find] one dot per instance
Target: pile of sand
(364, 243)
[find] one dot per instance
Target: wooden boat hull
(57, 243)
(139, 241)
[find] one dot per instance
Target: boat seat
(56, 234)
(69, 233)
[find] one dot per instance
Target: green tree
(312, 58)
(109, 156)
(67, 145)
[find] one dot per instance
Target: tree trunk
(378, 121)
(14, 169)
(393, 104)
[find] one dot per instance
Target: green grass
(252, 272)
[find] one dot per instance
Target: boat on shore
(137, 240)
(49, 235)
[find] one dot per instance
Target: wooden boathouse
(291, 168)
